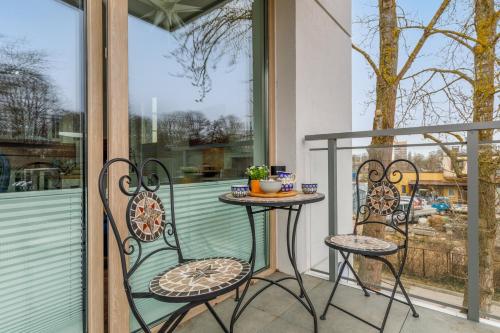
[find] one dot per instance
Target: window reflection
(191, 87)
(42, 224)
(40, 104)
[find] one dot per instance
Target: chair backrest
(145, 216)
(383, 198)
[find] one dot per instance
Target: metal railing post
(332, 205)
(473, 287)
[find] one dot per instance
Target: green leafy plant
(257, 172)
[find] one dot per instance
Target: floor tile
(280, 325)
(370, 308)
(275, 311)
(434, 321)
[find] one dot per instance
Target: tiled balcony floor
(276, 311)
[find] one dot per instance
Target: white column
(313, 95)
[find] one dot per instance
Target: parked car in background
(418, 210)
(441, 204)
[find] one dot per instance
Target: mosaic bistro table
(290, 204)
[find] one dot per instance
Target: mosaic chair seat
(364, 245)
(381, 206)
(192, 281)
(209, 278)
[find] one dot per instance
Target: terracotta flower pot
(255, 186)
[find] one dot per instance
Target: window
(41, 166)
(197, 103)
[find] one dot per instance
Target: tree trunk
(485, 21)
(386, 93)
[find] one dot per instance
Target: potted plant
(255, 174)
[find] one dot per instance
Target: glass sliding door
(42, 243)
(197, 102)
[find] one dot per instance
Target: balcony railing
(472, 144)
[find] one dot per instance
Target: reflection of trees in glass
(28, 101)
(193, 128)
(224, 32)
(182, 127)
(31, 116)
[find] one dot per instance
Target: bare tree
(193, 128)
(27, 97)
(469, 78)
(388, 78)
(182, 127)
(225, 32)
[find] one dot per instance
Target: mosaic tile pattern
(382, 198)
(200, 277)
(146, 216)
(361, 244)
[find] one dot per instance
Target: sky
(153, 73)
(55, 29)
(363, 81)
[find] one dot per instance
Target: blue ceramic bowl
(310, 188)
(240, 191)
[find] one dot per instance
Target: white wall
(313, 95)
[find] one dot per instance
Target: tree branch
(368, 59)
(444, 71)
(455, 35)
(427, 32)
(456, 136)
(451, 154)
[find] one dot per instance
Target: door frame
(94, 308)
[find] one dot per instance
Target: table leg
(291, 240)
(241, 296)
(291, 255)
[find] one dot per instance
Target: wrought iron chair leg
(173, 320)
(177, 322)
(414, 312)
(217, 318)
(397, 276)
(237, 297)
(391, 299)
(323, 316)
(346, 259)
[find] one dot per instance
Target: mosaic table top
(361, 244)
(299, 199)
(199, 278)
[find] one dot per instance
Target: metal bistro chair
(382, 200)
(192, 281)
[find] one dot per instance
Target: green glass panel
(42, 247)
